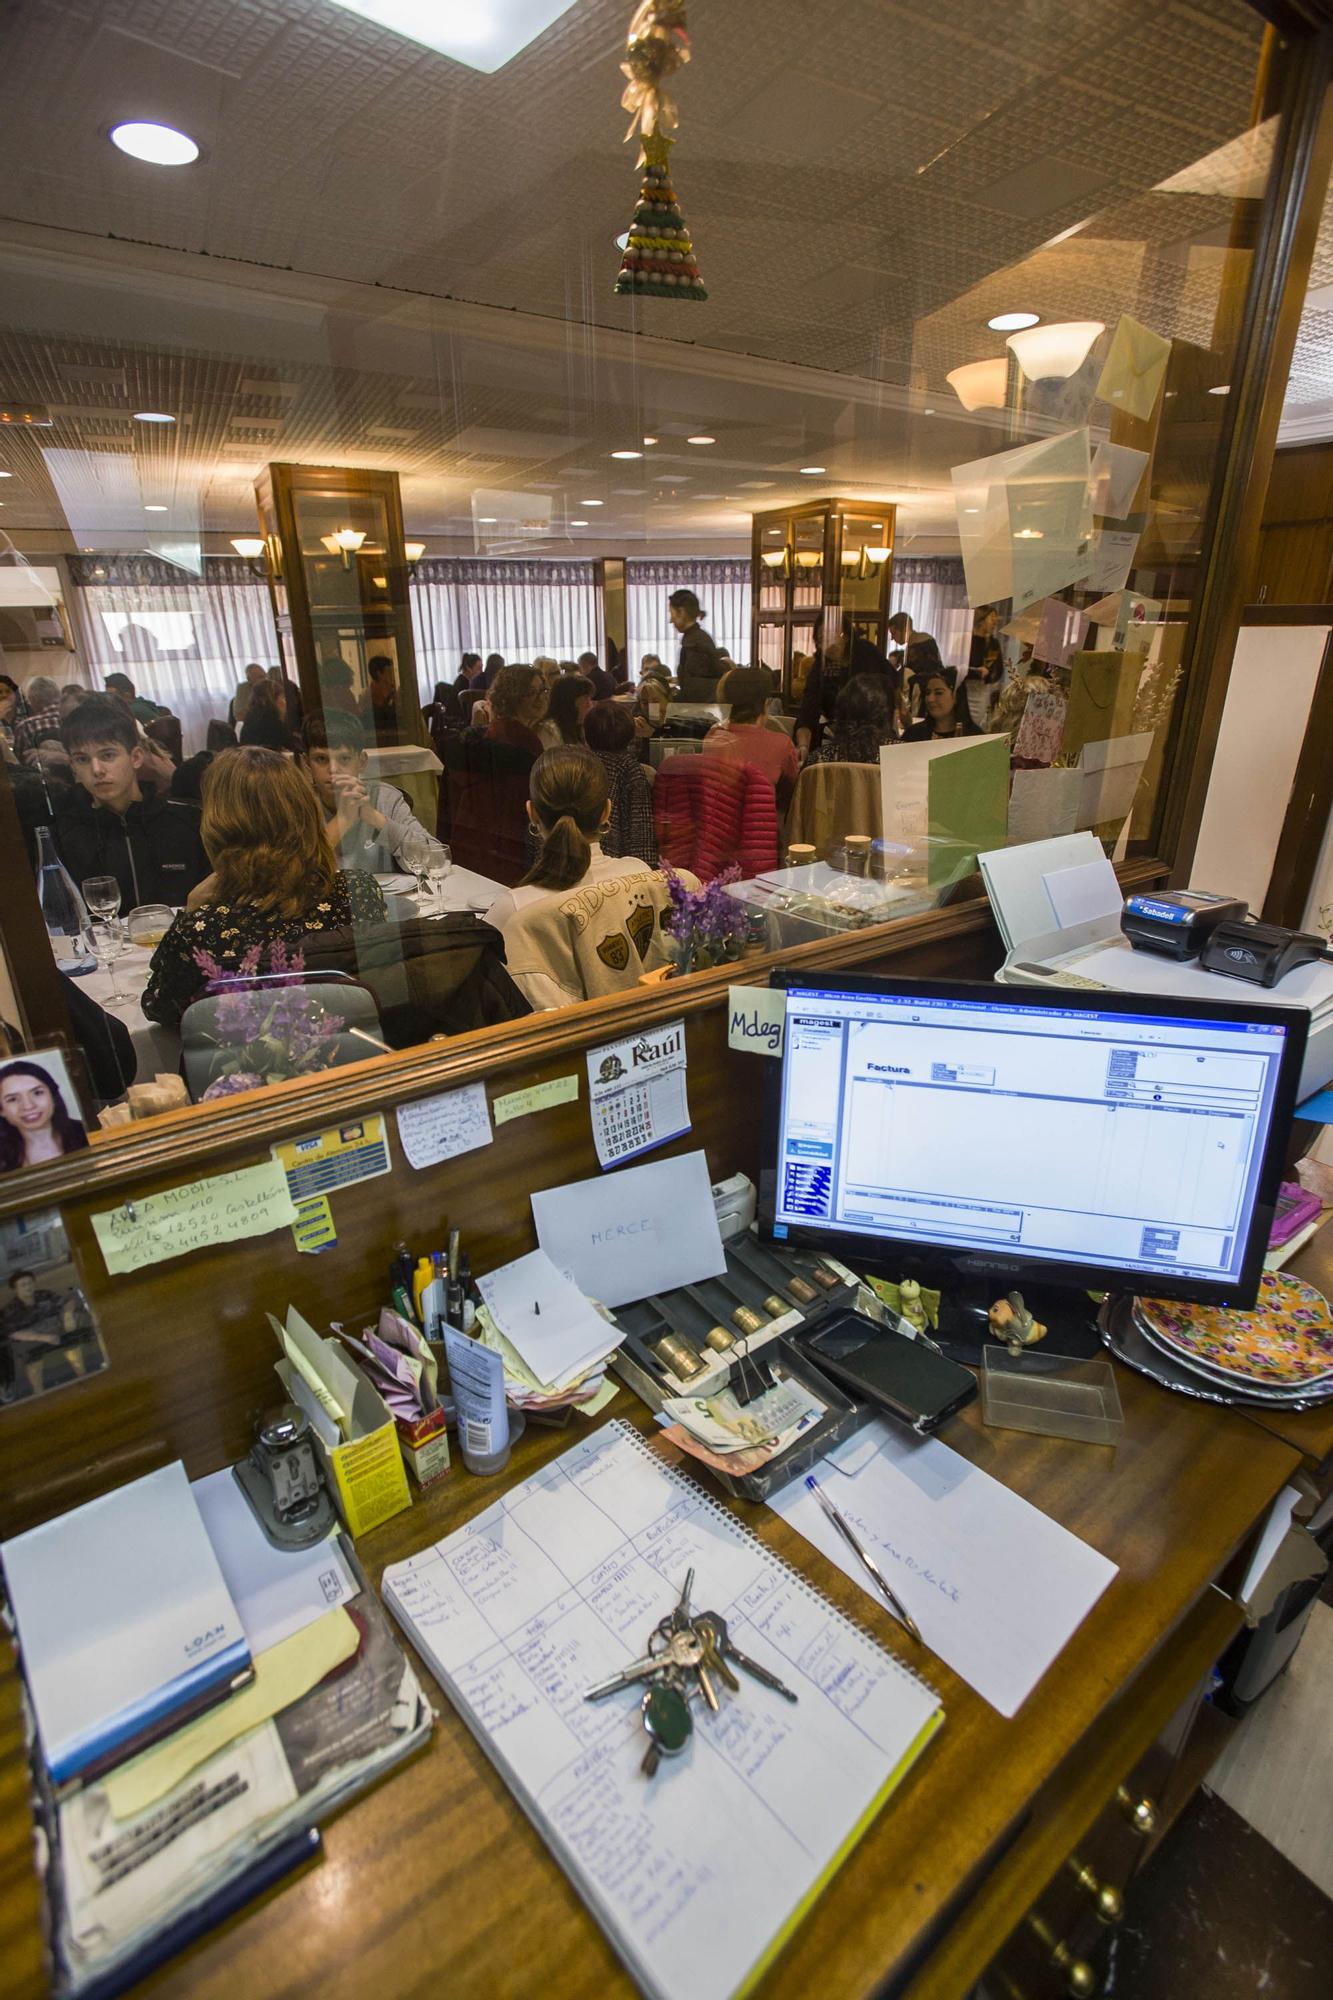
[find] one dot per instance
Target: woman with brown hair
(273, 879)
(581, 922)
(518, 699)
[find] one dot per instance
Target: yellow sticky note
(313, 1229)
(282, 1675)
(226, 1209)
(596, 1404)
(538, 1097)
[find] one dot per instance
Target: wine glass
(101, 893)
(438, 870)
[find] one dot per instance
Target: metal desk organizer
(688, 1342)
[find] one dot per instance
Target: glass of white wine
(101, 893)
(149, 924)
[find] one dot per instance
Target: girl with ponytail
(569, 806)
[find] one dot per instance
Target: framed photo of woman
(40, 1115)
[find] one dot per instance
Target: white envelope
(1111, 772)
(1116, 472)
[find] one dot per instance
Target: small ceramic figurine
(910, 1304)
(1010, 1321)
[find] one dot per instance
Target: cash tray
(841, 1418)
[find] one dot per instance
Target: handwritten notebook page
(699, 1874)
(996, 1587)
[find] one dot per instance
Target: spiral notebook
(699, 1874)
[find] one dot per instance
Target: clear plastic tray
(820, 900)
(1051, 1394)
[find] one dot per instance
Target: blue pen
(863, 1556)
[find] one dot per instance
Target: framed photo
(48, 1336)
(41, 1117)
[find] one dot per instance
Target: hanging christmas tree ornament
(658, 260)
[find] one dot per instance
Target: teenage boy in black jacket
(117, 826)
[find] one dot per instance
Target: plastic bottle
(63, 910)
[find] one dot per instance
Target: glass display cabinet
(826, 553)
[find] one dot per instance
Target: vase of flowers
(706, 926)
(264, 1034)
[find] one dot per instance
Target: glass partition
(949, 419)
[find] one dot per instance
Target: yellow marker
(421, 1277)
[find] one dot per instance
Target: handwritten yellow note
(222, 1210)
(538, 1097)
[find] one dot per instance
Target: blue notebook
(125, 1625)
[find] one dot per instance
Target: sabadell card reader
(1178, 922)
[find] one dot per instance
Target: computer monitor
(1085, 1139)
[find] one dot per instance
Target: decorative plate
(1285, 1341)
(1123, 1333)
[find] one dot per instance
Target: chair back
(833, 800)
(429, 975)
(284, 1011)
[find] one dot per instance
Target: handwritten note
(644, 1230)
(440, 1128)
(537, 1097)
(755, 1018)
(996, 1586)
(226, 1209)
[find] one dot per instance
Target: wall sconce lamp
(414, 551)
(344, 542)
(874, 559)
(777, 560)
(981, 385)
(1054, 353)
(250, 548)
(809, 558)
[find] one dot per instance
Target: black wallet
(905, 1378)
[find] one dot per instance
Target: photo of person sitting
(370, 823)
(36, 1123)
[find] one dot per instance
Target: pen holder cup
(1051, 1394)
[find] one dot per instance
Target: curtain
(472, 605)
(931, 590)
(722, 586)
(184, 644)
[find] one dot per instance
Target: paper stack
(554, 1341)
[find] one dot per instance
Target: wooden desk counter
(436, 1878)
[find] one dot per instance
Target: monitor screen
(1094, 1134)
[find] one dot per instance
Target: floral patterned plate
(1285, 1341)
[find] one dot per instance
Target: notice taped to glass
(637, 1092)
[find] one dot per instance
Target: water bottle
(63, 909)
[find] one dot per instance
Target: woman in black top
(862, 722)
(946, 711)
(841, 660)
(698, 669)
(265, 722)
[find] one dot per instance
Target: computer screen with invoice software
(1069, 1135)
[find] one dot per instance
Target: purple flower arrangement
(706, 925)
(265, 1034)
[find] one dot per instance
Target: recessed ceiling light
(927, 413)
(160, 145)
(1221, 389)
(701, 439)
(1013, 322)
(483, 38)
(6, 475)
(811, 471)
(650, 440)
(152, 417)
(627, 454)
(486, 520)
(592, 503)
(150, 509)
(578, 524)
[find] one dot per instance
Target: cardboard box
(425, 1447)
(365, 1468)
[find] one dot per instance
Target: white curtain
(722, 586)
(930, 589)
(184, 644)
(520, 609)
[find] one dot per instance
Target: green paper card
(967, 803)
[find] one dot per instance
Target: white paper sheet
(1025, 519)
(641, 1231)
(442, 1127)
(1079, 894)
(997, 1587)
(1116, 472)
(636, 1091)
(1043, 805)
(547, 1318)
(276, 1591)
(1111, 772)
(1111, 553)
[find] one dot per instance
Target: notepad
(699, 1874)
(125, 1624)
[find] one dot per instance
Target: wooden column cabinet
(834, 555)
(336, 597)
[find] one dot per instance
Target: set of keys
(688, 1652)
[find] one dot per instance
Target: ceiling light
(160, 145)
(927, 413)
(592, 503)
(1222, 389)
(486, 520)
(627, 454)
(151, 509)
(1013, 322)
(701, 439)
(414, 551)
(248, 546)
(152, 417)
(6, 475)
(483, 38)
(650, 440)
(981, 385)
(578, 524)
(1028, 535)
(812, 471)
(1054, 353)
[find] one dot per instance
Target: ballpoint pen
(864, 1557)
